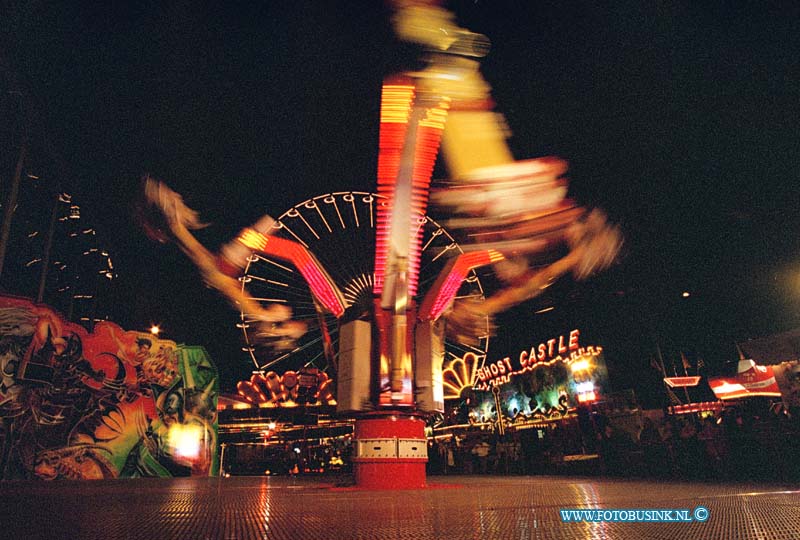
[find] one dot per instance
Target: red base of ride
(389, 472)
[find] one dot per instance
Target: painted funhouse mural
(107, 404)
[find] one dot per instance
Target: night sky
(678, 118)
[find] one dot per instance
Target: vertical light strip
(429, 135)
(396, 101)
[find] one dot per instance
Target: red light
(444, 290)
(320, 283)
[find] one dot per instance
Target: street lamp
(155, 330)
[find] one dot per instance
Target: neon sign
(564, 348)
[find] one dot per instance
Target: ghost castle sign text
(564, 348)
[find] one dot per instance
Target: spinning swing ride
(368, 286)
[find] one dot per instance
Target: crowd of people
(733, 445)
(730, 445)
(528, 451)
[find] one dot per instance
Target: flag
(700, 364)
(661, 360)
(656, 366)
(686, 364)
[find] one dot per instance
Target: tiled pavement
(516, 507)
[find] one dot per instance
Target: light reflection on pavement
(462, 507)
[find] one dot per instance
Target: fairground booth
(554, 396)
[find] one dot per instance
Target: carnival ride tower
(390, 359)
(513, 212)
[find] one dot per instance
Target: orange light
(253, 239)
(396, 102)
(579, 365)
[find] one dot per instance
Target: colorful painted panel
(107, 404)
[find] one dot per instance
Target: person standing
(481, 452)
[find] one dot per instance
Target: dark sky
(678, 118)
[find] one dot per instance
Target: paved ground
(303, 509)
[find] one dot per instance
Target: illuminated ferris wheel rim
(344, 212)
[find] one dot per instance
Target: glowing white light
(513, 404)
(186, 441)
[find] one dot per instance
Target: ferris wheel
(339, 229)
